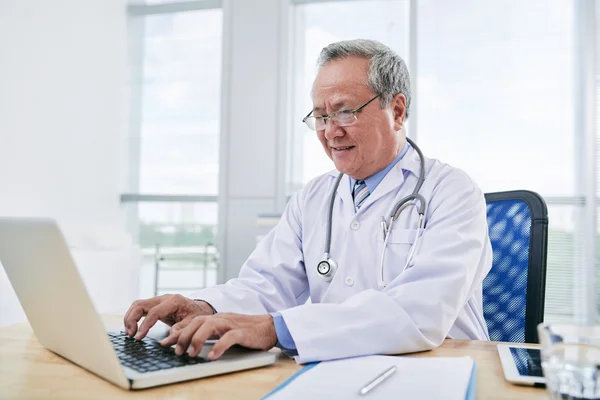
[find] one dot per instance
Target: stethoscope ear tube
(330, 216)
(402, 204)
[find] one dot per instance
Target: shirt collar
(374, 180)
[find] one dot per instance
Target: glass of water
(571, 360)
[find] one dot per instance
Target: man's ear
(398, 108)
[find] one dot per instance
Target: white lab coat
(438, 296)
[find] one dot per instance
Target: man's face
(372, 141)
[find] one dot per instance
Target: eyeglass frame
(330, 116)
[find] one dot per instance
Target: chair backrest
(514, 289)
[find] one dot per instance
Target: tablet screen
(528, 361)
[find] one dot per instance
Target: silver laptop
(42, 272)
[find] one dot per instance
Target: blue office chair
(514, 289)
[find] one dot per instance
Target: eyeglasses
(341, 118)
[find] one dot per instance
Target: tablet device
(522, 364)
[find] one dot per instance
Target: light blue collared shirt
(284, 338)
(374, 180)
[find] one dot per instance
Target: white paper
(416, 378)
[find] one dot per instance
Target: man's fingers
(176, 331)
(137, 310)
(183, 323)
(153, 315)
(171, 339)
(212, 326)
(230, 338)
(186, 334)
(128, 320)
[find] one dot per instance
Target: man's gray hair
(387, 75)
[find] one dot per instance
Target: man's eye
(345, 112)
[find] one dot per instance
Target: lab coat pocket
(396, 252)
(402, 236)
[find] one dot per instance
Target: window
(494, 97)
(174, 142)
(495, 85)
(180, 237)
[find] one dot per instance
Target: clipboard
(470, 393)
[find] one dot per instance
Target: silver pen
(380, 378)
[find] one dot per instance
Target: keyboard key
(148, 355)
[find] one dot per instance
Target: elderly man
(391, 248)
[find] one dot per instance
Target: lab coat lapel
(344, 191)
(395, 177)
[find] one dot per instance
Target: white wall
(62, 74)
(63, 127)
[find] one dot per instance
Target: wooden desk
(27, 371)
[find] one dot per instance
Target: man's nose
(332, 130)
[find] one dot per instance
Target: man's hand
(172, 309)
(252, 331)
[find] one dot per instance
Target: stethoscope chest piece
(326, 268)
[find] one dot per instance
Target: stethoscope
(328, 266)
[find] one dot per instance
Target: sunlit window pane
(180, 96)
(495, 91)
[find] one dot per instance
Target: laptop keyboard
(147, 355)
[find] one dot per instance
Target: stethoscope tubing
(407, 201)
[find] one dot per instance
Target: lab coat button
(354, 225)
(349, 281)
